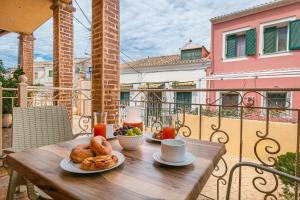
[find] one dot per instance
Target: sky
(148, 28)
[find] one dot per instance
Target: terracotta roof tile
(160, 61)
(252, 10)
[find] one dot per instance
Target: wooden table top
(140, 177)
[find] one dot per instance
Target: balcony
(266, 135)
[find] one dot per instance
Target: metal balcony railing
(253, 127)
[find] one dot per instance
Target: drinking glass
(100, 123)
(168, 128)
(133, 117)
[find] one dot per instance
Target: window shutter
(295, 35)
(231, 46)
(251, 42)
(270, 37)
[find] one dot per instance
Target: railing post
(1, 134)
(22, 91)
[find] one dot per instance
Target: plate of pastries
(157, 137)
(97, 156)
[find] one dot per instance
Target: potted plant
(7, 102)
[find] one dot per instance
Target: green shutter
(231, 46)
(270, 38)
(295, 35)
(251, 42)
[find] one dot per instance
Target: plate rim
(67, 159)
(149, 137)
(180, 164)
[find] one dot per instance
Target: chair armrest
(10, 150)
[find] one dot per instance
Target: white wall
(166, 76)
(43, 76)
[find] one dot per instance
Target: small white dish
(189, 159)
(148, 136)
(67, 165)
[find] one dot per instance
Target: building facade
(182, 71)
(43, 72)
(257, 48)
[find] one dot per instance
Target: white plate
(148, 136)
(189, 159)
(67, 165)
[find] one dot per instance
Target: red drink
(100, 129)
(134, 124)
(168, 133)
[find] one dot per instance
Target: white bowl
(130, 142)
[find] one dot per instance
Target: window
(241, 46)
(277, 99)
(230, 99)
(191, 54)
(239, 43)
(125, 98)
(275, 39)
(279, 37)
(50, 73)
(36, 75)
(184, 99)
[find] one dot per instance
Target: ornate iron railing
(252, 126)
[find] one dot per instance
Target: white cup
(173, 150)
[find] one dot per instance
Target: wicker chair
(32, 128)
(260, 167)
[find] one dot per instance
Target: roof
(191, 45)
(252, 10)
(160, 61)
(24, 15)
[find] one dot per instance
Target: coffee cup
(173, 150)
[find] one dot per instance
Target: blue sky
(148, 28)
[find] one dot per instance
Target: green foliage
(11, 82)
(286, 163)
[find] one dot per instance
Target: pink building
(258, 48)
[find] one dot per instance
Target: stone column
(105, 56)
(63, 51)
(26, 55)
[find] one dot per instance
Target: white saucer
(189, 159)
(148, 136)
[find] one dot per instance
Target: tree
(9, 82)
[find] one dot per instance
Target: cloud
(148, 28)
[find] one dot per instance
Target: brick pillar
(26, 55)
(105, 56)
(63, 51)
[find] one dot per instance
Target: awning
(184, 84)
(24, 16)
(151, 86)
(126, 86)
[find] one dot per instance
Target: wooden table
(140, 177)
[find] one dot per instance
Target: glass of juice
(168, 128)
(100, 123)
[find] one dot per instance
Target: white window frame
(264, 105)
(261, 36)
(224, 46)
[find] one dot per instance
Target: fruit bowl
(130, 138)
(130, 142)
